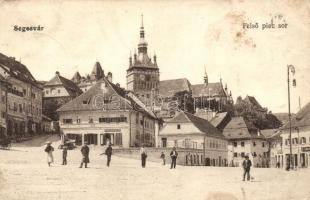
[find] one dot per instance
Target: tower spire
(142, 28)
(205, 77)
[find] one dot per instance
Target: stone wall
(191, 157)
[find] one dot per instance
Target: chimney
(110, 77)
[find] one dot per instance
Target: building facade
(107, 114)
(186, 131)
(300, 141)
(56, 93)
(3, 106)
(245, 140)
(24, 99)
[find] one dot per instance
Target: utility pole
(290, 67)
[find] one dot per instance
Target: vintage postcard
(180, 99)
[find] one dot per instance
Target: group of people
(84, 151)
(108, 152)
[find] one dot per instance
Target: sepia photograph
(135, 100)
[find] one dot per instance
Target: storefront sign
(112, 130)
(304, 149)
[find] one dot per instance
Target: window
(242, 154)
(112, 119)
(235, 144)
(303, 140)
(58, 91)
(242, 144)
(263, 144)
(147, 95)
(235, 155)
(118, 139)
(78, 120)
(179, 126)
(67, 121)
(91, 120)
(254, 144)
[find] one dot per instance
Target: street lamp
(290, 68)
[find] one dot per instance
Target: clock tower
(143, 73)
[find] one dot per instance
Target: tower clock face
(142, 77)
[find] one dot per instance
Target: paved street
(24, 174)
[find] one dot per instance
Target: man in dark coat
(174, 156)
(64, 155)
(143, 154)
(246, 167)
(108, 152)
(85, 155)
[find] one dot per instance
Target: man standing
(85, 155)
(174, 156)
(143, 156)
(64, 154)
(108, 152)
(246, 167)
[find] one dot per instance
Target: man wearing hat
(108, 152)
(246, 167)
(174, 156)
(85, 155)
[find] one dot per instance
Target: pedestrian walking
(143, 156)
(49, 150)
(246, 168)
(108, 152)
(163, 157)
(85, 155)
(64, 154)
(174, 156)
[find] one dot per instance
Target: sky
(188, 38)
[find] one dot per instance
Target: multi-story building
(106, 113)
(3, 105)
(245, 139)
(187, 131)
(143, 73)
(300, 140)
(57, 92)
(24, 98)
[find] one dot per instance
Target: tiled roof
(16, 69)
(239, 128)
(85, 102)
(97, 71)
(76, 77)
(283, 117)
(211, 89)
(218, 118)
(203, 125)
(168, 88)
(69, 85)
(268, 133)
(302, 118)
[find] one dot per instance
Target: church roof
(219, 119)
(168, 88)
(216, 89)
(69, 85)
(203, 125)
(16, 69)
